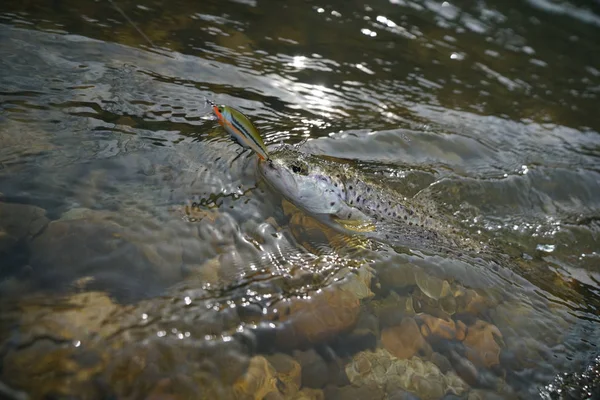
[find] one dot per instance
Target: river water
(142, 257)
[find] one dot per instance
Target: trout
(343, 198)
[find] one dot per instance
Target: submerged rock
(315, 373)
(392, 309)
(87, 345)
(288, 373)
(364, 392)
(19, 222)
(398, 277)
(483, 343)
(259, 380)
(471, 302)
(319, 315)
(309, 394)
(432, 286)
(439, 328)
(102, 247)
(405, 340)
(165, 347)
(382, 369)
(19, 225)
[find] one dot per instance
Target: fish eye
(299, 168)
(220, 108)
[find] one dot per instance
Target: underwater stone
(483, 343)
(397, 277)
(432, 286)
(19, 222)
(448, 304)
(392, 309)
(393, 374)
(438, 327)
(288, 373)
(258, 381)
(404, 340)
(366, 392)
(309, 394)
(315, 373)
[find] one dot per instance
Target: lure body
(241, 129)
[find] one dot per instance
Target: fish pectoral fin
(355, 225)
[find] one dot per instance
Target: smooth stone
(363, 392)
(258, 381)
(432, 286)
(315, 372)
(19, 222)
(392, 309)
(464, 368)
(405, 340)
(437, 327)
(483, 343)
(288, 373)
(401, 394)
(427, 388)
(99, 251)
(397, 277)
(472, 303)
(448, 304)
(441, 362)
(309, 394)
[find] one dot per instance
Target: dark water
(141, 258)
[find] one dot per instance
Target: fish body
(343, 198)
(241, 129)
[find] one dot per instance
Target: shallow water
(140, 256)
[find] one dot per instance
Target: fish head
(286, 172)
(300, 179)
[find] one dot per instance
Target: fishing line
(131, 22)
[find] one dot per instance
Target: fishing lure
(235, 123)
(240, 128)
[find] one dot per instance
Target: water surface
(142, 257)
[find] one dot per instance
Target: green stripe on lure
(240, 128)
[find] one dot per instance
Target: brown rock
(382, 369)
(323, 314)
(464, 368)
(472, 302)
(433, 287)
(448, 304)
(259, 381)
(404, 340)
(427, 388)
(461, 331)
(19, 222)
(441, 328)
(23, 138)
(288, 373)
(366, 392)
(315, 373)
(425, 304)
(398, 276)
(441, 362)
(309, 394)
(101, 250)
(483, 342)
(392, 309)
(319, 318)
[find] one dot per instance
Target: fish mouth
(275, 176)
